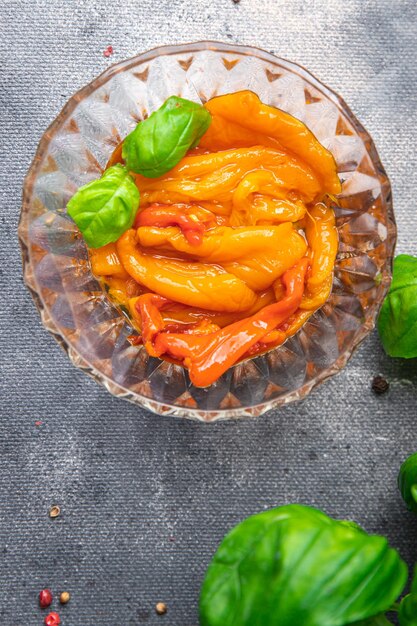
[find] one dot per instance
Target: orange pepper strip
(314, 298)
(258, 255)
(192, 166)
(260, 270)
(224, 244)
(267, 210)
(162, 216)
(208, 357)
(116, 156)
(202, 285)
(295, 322)
(246, 109)
(105, 262)
(208, 187)
(295, 179)
(271, 340)
(287, 175)
(322, 238)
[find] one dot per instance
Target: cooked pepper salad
(212, 227)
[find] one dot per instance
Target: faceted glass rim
(166, 408)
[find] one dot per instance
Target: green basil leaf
(414, 582)
(397, 323)
(158, 143)
(407, 613)
(378, 620)
(407, 482)
(105, 208)
(294, 565)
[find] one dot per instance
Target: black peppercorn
(380, 385)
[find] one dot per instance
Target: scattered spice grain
(45, 598)
(380, 385)
(64, 597)
(161, 608)
(54, 511)
(52, 619)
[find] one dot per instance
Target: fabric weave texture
(146, 499)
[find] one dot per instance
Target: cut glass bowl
(75, 149)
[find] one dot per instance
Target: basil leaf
(105, 208)
(413, 589)
(294, 565)
(378, 620)
(397, 323)
(407, 614)
(158, 143)
(407, 482)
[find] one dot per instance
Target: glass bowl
(72, 305)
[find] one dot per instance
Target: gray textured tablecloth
(145, 500)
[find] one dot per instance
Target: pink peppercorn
(108, 51)
(45, 598)
(52, 619)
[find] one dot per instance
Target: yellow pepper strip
(322, 238)
(222, 244)
(195, 284)
(105, 262)
(246, 109)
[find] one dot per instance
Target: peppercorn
(64, 597)
(52, 619)
(380, 385)
(45, 598)
(54, 511)
(161, 608)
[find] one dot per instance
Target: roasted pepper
(208, 356)
(196, 284)
(245, 109)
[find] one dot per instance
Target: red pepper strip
(208, 357)
(135, 340)
(148, 306)
(162, 216)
